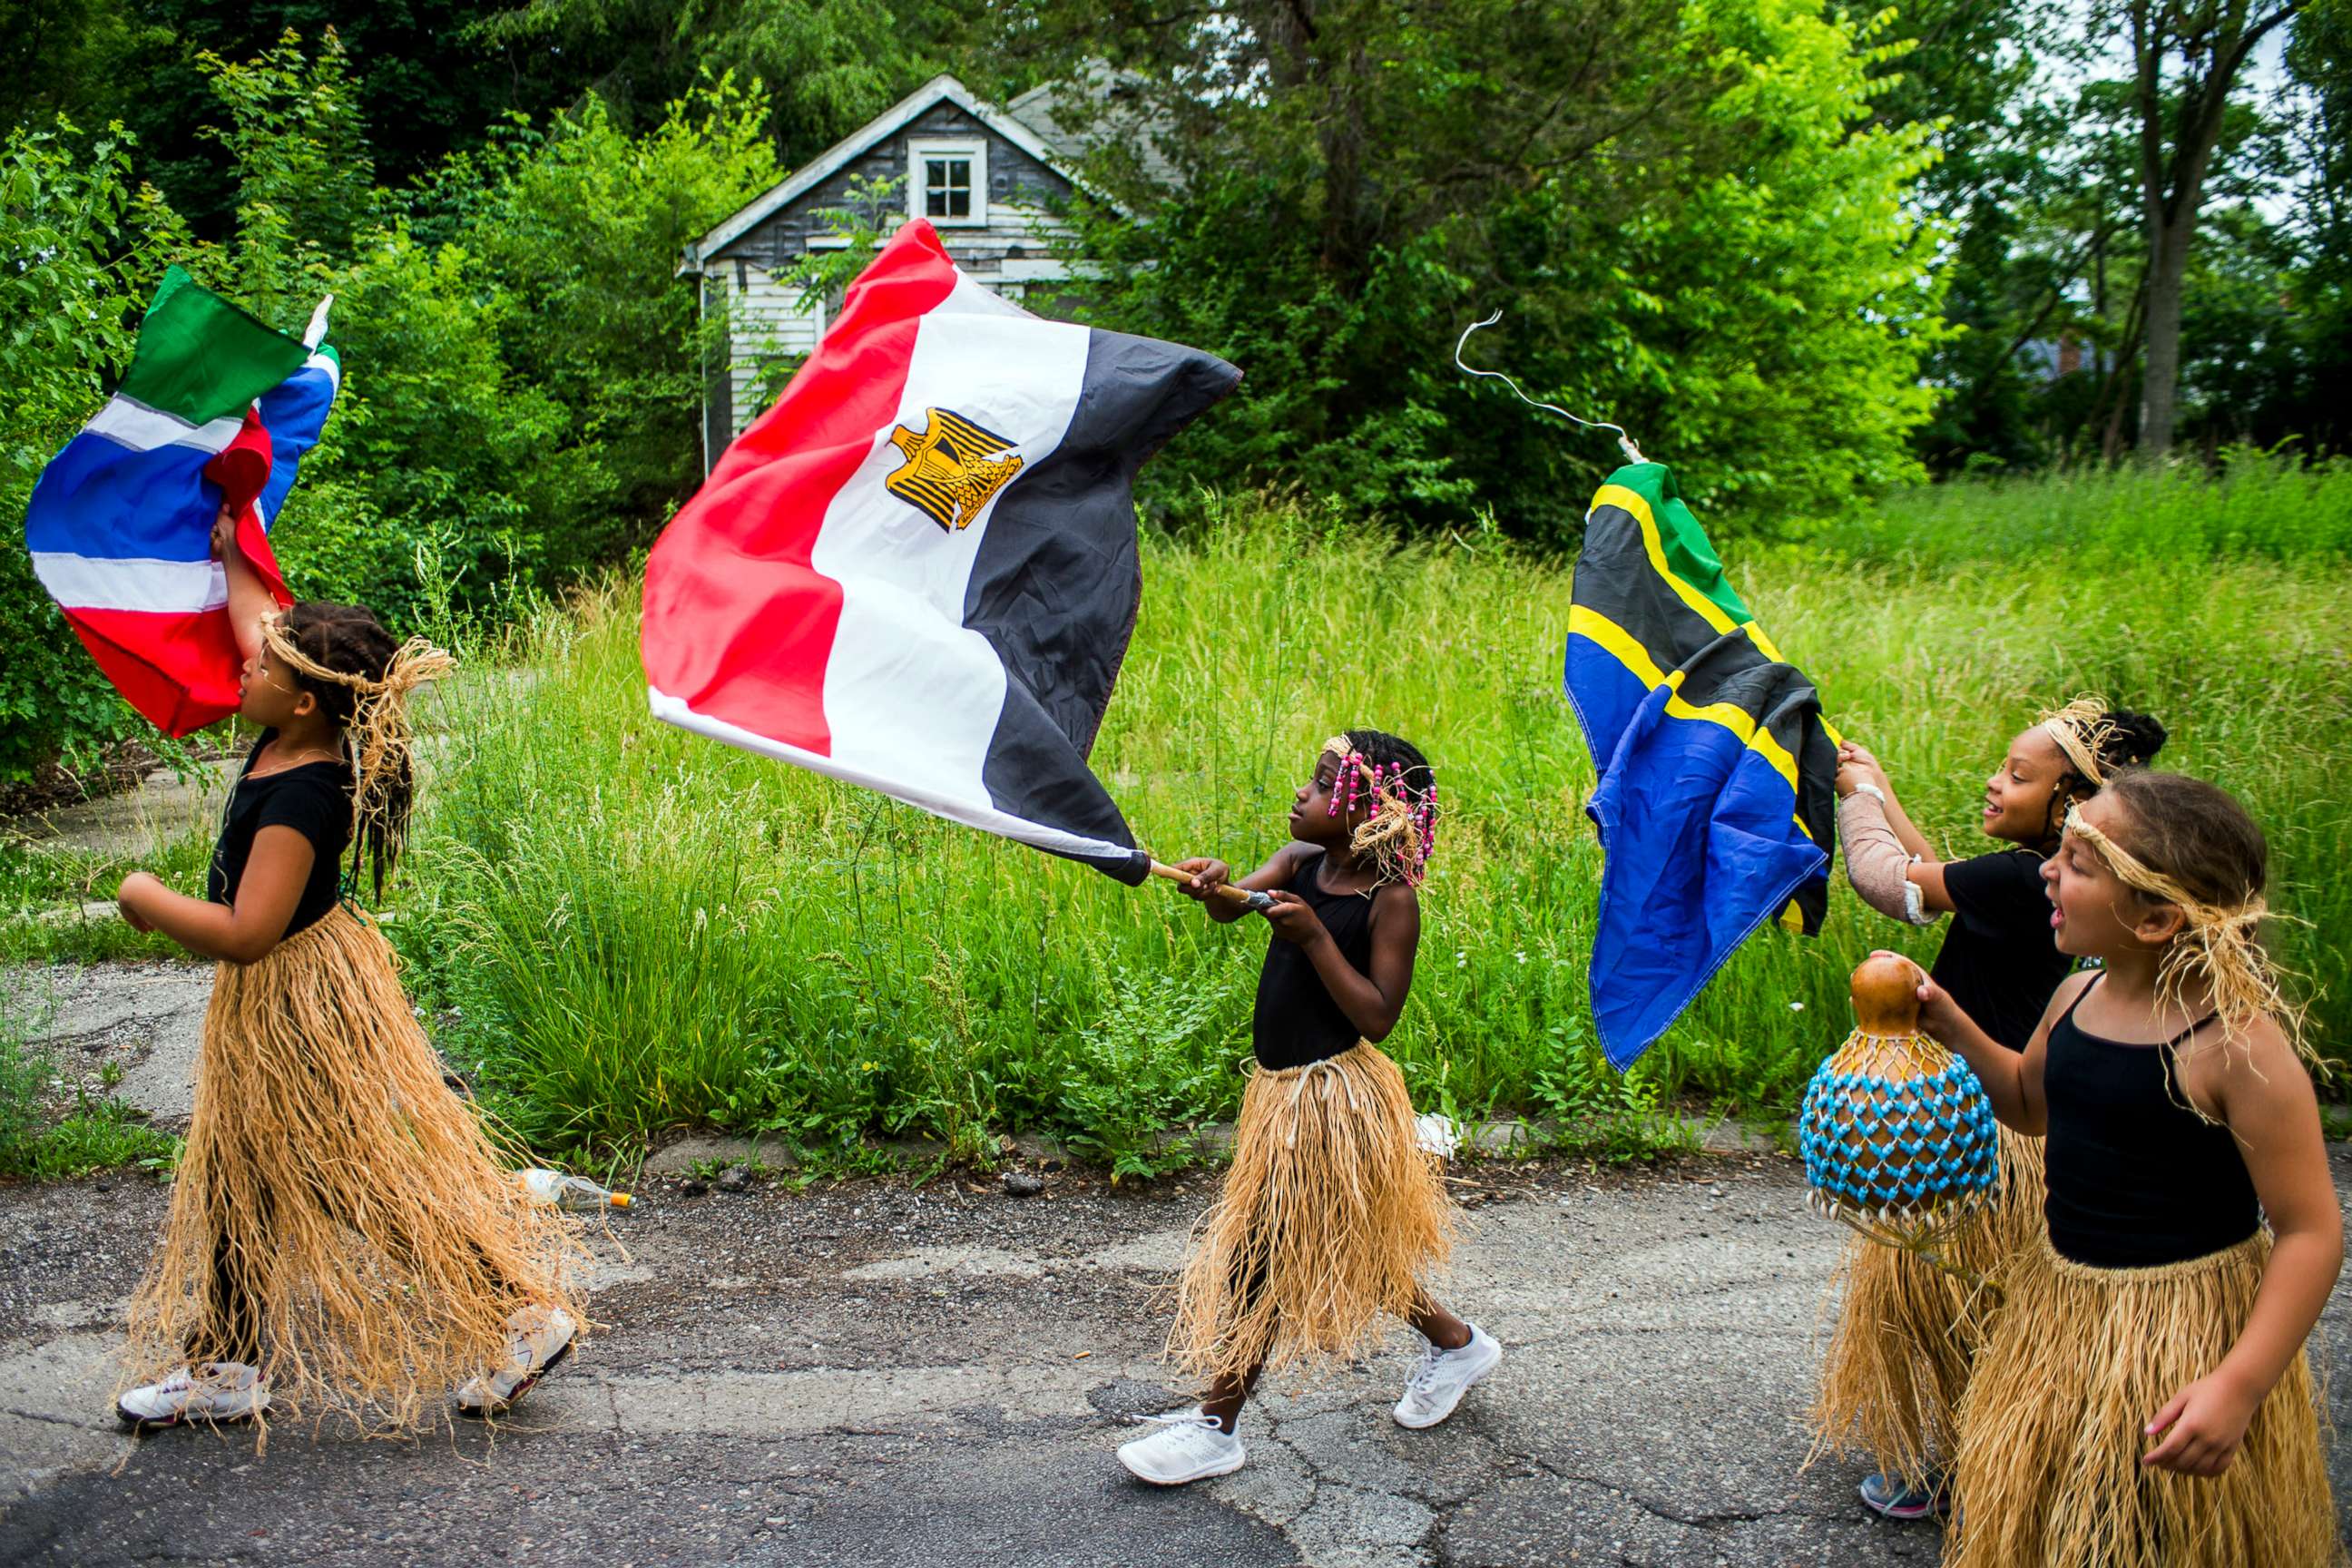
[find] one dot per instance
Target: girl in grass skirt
(343, 1236)
(2145, 1400)
(1906, 1329)
(1332, 1214)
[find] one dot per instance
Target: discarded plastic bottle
(577, 1192)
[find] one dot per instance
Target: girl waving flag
(217, 408)
(918, 570)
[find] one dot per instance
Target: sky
(2261, 80)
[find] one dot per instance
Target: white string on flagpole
(1624, 442)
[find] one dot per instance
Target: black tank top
(1297, 1021)
(2137, 1178)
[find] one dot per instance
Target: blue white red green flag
(216, 406)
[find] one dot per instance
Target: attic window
(947, 187)
(947, 181)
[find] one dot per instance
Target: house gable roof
(940, 89)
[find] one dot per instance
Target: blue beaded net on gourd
(1898, 1138)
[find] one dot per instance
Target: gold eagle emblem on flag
(954, 468)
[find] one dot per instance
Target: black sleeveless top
(2135, 1177)
(1297, 1021)
(315, 799)
(1998, 960)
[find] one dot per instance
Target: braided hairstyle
(2115, 739)
(347, 640)
(1389, 774)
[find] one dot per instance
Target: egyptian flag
(918, 570)
(217, 406)
(1715, 806)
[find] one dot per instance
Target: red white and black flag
(918, 570)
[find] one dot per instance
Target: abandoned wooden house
(989, 179)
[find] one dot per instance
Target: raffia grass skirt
(336, 1202)
(1331, 1216)
(1907, 1330)
(2051, 1430)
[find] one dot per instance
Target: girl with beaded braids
(344, 1234)
(1899, 1359)
(1332, 1215)
(2145, 1400)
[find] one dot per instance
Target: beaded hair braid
(1397, 783)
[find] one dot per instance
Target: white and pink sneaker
(216, 1391)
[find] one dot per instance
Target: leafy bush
(1600, 1113)
(83, 244)
(579, 232)
(523, 371)
(1151, 1081)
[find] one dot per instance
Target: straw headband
(379, 731)
(1401, 832)
(2081, 728)
(2221, 947)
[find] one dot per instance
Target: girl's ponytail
(2098, 743)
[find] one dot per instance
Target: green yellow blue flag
(1716, 804)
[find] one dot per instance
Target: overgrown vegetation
(525, 370)
(632, 927)
(616, 926)
(93, 1133)
(1724, 222)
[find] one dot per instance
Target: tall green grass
(627, 927)
(2261, 505)
(43, 891)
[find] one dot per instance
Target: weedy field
(620, 927)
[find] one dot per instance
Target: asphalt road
(884, 1376)
(881, 1375)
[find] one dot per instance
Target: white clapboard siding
(767, 325)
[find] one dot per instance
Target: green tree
(2319, 63)
(827, 66)
(2186, 59)
(1692, 224)
(84, 246)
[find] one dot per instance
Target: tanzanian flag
(1716, 804)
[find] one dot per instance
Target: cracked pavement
(883, 1376)
(877, 1375)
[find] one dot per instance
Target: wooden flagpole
(1254, 900)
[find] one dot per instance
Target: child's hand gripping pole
(1245, 897)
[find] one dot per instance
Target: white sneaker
(1189, 1446)
(1442, 1377)
(542, 1336)
(216, 1391)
